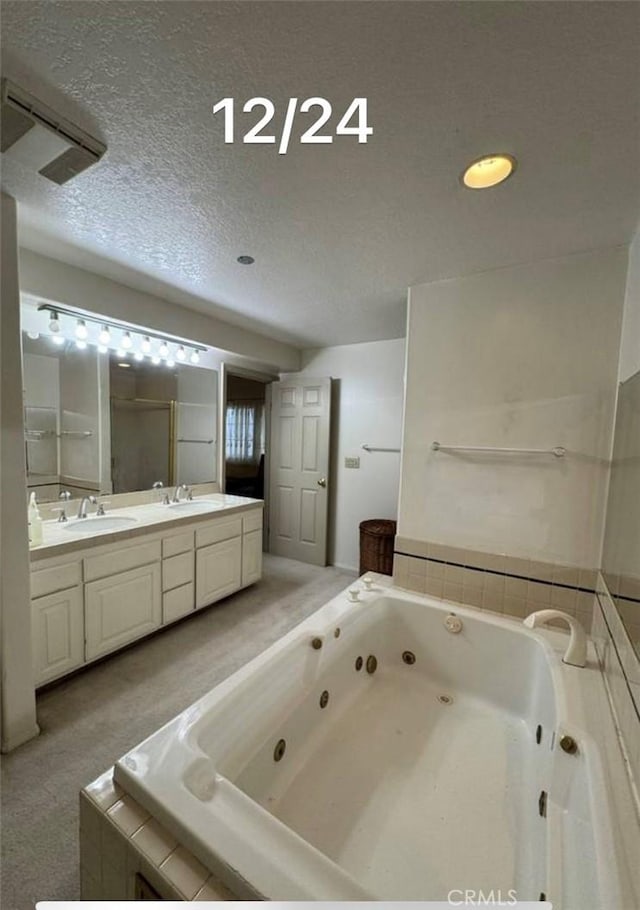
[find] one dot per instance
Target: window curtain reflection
(245, 431)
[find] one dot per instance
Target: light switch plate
(353, 462)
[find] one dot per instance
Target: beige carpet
(90, 720)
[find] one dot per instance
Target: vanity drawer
(177, 603)
(252, 521)
(57, 578)
(177, 543)
(218, 531)
(177, 570)
(122, 559)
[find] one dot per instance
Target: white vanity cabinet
(101, 597)
(121, 608)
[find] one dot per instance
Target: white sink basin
(97, 524)
(196, 505)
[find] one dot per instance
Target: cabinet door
(57, 633)
(218, 571)
(251, 557)
(121, 608)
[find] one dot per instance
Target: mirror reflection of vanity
(621, 553)
(103, 421)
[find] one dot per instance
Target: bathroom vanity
(99, 583)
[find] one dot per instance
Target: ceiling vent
(37, 137)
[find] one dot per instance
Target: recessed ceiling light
(124, 366)
(490, 170)
(246, 260)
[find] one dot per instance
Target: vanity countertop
(61, 538)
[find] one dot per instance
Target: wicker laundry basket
(376, 545)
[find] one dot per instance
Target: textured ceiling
(338, 231)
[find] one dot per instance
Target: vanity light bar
(105, 327)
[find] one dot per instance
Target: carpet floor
(91, 719)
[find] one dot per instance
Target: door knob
(322, 482)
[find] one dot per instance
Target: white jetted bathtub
(373, 753)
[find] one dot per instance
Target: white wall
(67, 285)
(366, 408)
(522, 357)
(630, 346)
(17, 696)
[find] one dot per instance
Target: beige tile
(214, 890)
(104, 791)
(433, 586)
(494, 583)
(565, 575)
(493, 600)
(541, 593)
(515, 587)
(128, 815)
(113, 844)
(185, 872)
(540, 571)
(452, 591)
(588, 578)
(584, 601)
(475, 559)
(472, 596)
(563, 598)
(416, 583)
(437, 551)
(472, 578)
(154, 841)
(516, 565)
(435, 569)
(515, 606)
(417, 566)
(495, 561)
(453, 574)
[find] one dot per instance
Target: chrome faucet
(576, 653)
(82, 509)
(184, 488)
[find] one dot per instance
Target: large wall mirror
(621, 554)
(103, 423)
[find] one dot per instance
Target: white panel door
(218, 571)
(121, 608)
(57, 631)
(300, 421)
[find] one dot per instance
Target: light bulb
(102, 349)
(138, 356)
(146, 345)
(81, 329)
(195, 357)
(181, 353)
(105, 335)
(57, 339)
(155, 360)
(54, 323)
(163, 350)
(126, 342)
(81, 344)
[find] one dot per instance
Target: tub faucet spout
(576, 653)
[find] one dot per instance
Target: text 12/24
(352, 123)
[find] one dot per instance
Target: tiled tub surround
(95, 592)
(120, 843)
(502, 584)
(212, 777)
